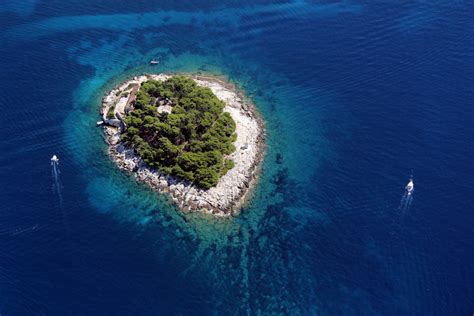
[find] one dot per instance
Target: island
(195, 138)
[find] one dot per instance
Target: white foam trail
(410, 199)
(57, 186)
(405, 202)
(19, 231)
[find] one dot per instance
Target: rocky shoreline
(232, 190)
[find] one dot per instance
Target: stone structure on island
(233, 188)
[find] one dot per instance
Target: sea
(358, 96)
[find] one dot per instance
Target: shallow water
(355, 95)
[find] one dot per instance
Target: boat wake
(57, 186)
(407, 197)
(18, 231)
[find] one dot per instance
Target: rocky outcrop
(233, 189)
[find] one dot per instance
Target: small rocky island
(195, 138)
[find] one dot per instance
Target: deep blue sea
(356, 96)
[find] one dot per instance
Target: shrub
(191, 141)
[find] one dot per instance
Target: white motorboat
(410, 187)
(54, 160)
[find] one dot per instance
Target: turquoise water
(355, 95)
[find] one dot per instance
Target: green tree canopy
(192, 140)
